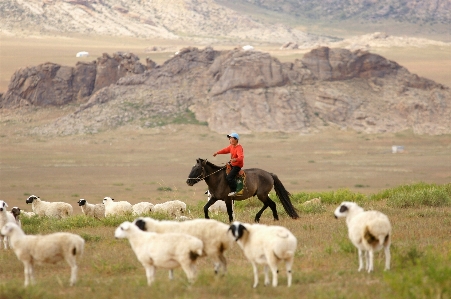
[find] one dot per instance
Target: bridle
(199, 178)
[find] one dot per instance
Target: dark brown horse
(258, 182)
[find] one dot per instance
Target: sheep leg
(73, 274)
(360, 259)
(150, 272)
(266, 269)
(370, 260)
(28, 271)
(289, 264)
(223, 262)
(254, 267)
(5, 242)
(272, 263)
(73, 269)
(190, 271)
(387, 257)
(171, 274)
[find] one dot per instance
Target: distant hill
(412, 17)
(227, 21)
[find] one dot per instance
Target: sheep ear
(141, 224)
(5, 204)
(343, 209)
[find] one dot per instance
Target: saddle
(240, 180)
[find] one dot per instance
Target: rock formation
(250, 91)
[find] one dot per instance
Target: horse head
(197, 172)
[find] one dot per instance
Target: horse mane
(216, 167)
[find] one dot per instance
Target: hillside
(207, 21)
(425, 18)
(202, 20)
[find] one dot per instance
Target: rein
(203, 178)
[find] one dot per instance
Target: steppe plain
(138, 164)
(132, 163)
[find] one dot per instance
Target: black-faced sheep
(211, 232)
(267, 245)
(52, 209)
(93, 210)
(369, 231)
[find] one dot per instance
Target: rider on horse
(236, 160)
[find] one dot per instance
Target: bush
(416, 195)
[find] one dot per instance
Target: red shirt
(236, 152)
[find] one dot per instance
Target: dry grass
(325, 264)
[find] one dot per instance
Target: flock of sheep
(170, 244)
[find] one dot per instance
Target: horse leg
(229, 210)
(267, 202)
(272, 206)
(257, 216)
(207, 205)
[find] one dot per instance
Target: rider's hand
(214, 155)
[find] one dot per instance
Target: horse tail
(284, 197)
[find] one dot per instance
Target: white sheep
(5, 217)
(52, 209)
(369, 231)
(211, 232)
(120, 208)
(27, 214)
(142, 208)
(173, 208)
(93, 210)
(170, 251)
(50, 248)
(263, 244)
(219, 206)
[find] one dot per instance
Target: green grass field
(325, 261)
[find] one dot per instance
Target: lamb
(369, 231)
(263, 244)
(50, 248)
(212, 233)
(120, 208)
(142, 208)
(93, 210)
(5, 217)
(168, 251)
(51, 209)
(173, 208)
(219, 206)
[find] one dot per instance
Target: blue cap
(234, 135)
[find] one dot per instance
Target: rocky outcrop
(250, 91)
(55, 85)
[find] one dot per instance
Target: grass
(325, 264)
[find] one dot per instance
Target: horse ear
(204, 162)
